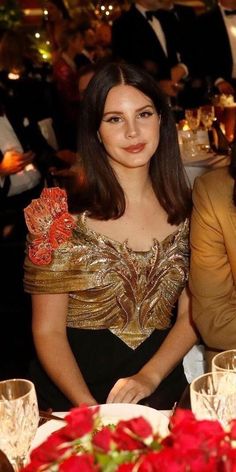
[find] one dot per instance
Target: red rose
(48, 451)
(83, 463)
(125, 439)
(233, 429)
(166, 460)
(80, 421)
(181, 417)
(125, 467)
(139, 426)
(205, 435)
(228, 456)
(198, 461)
(103, 439)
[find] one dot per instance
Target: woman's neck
(136, 184)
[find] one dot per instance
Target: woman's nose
(131, 129)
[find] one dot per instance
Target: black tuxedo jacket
(134, 40)
(82, 60)
(215, 56)
(185, 35)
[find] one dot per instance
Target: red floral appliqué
(49, 222)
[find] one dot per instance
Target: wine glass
(19, 418)
(193, 117)
(225, 361)
(207, 113)
(213, 396)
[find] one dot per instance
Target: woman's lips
(135, 148)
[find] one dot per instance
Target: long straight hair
(232, 169)
(101, 194)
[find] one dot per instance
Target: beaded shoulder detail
(50, 224)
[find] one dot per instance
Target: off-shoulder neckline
(96, 234)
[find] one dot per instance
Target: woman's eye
(145, 114)
(113, 119)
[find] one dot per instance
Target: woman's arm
(178, 342)
(49, 332)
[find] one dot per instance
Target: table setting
(206, 135)
(124, 437)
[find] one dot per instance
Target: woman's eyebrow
(121, 112)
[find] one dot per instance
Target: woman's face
(129, 129)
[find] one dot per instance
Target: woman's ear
(99, 137)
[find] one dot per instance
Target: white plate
(110, 414)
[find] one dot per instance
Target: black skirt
(103, 359)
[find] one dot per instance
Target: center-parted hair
(101, 193)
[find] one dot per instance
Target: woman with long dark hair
(107, 279)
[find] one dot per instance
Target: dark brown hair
(232, 169)
(102, 195)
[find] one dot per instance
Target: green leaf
(109, 462)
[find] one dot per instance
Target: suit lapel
(147, 34)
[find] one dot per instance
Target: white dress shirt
(27, 178)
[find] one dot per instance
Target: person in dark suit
(87, 55)
(217, 46)
(151, 34)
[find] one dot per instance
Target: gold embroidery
(112, 287)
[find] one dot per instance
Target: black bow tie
(152, 13)
(230, 12)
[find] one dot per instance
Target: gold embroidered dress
(120, 301)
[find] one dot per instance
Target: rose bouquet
(85, 445)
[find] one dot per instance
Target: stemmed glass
(213, 396)
(207, 114)
(225, 361)
(193, 117)
(19, 418)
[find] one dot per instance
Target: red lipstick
(135, 148)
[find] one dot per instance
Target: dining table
(202, 163)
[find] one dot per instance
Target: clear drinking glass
(193, 117)
(189, 145)
(213, 396)
(19, 418)
(207, 116)
(225, 361)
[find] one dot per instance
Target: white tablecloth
(204, 162)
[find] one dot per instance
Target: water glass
(225, 361)
(19, 418)
(193, 117)
(213, 397)
(189, 145)
(207, 116)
